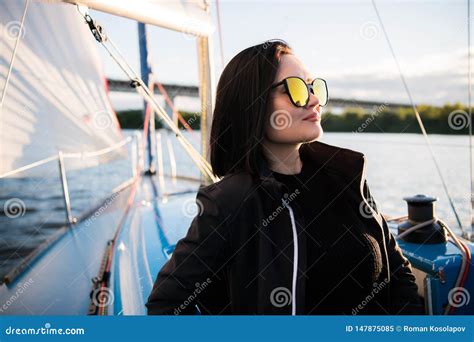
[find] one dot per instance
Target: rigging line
(219, 29)
(76, 155)
(420, 122)
(185, 144)
(469, 93)
(17, 41)
(198, 159)
(143, 90)
(167, 99)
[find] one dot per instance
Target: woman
(291, 227)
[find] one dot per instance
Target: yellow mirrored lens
(320, 91)
(298, 91)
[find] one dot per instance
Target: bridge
(174, 90)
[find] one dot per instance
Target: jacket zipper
(295, 258)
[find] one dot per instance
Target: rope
(219, 30)
(466, 260)
(418, 226)
(81, 155)
(98, 152)
(145, 92)
(29, 166)
(10, 68)
(420, 122)
(167, 99)
(466, 254)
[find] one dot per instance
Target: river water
(398, 165)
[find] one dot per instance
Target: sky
(341, 41)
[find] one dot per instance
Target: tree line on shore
(447, 119)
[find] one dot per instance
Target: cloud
(433, 79)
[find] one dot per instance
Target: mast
(206, 92)
(148, 113)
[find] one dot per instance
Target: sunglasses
(298, 90)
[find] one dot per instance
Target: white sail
(56, 96)
(188, 16)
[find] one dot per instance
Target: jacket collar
(332, 159)
(344, 162)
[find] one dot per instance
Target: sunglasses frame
(308, 85)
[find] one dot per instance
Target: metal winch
(421, 209)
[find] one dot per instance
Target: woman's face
(286, 122)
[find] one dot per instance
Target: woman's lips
(313, 117)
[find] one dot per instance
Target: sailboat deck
(148, 223)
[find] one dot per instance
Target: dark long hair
(240, 112)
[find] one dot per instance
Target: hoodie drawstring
(295, 257)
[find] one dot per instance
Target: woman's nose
(313, 100)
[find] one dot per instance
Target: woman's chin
(316, 133)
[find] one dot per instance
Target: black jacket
(243, 252)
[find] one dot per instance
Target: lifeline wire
(420, 122)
